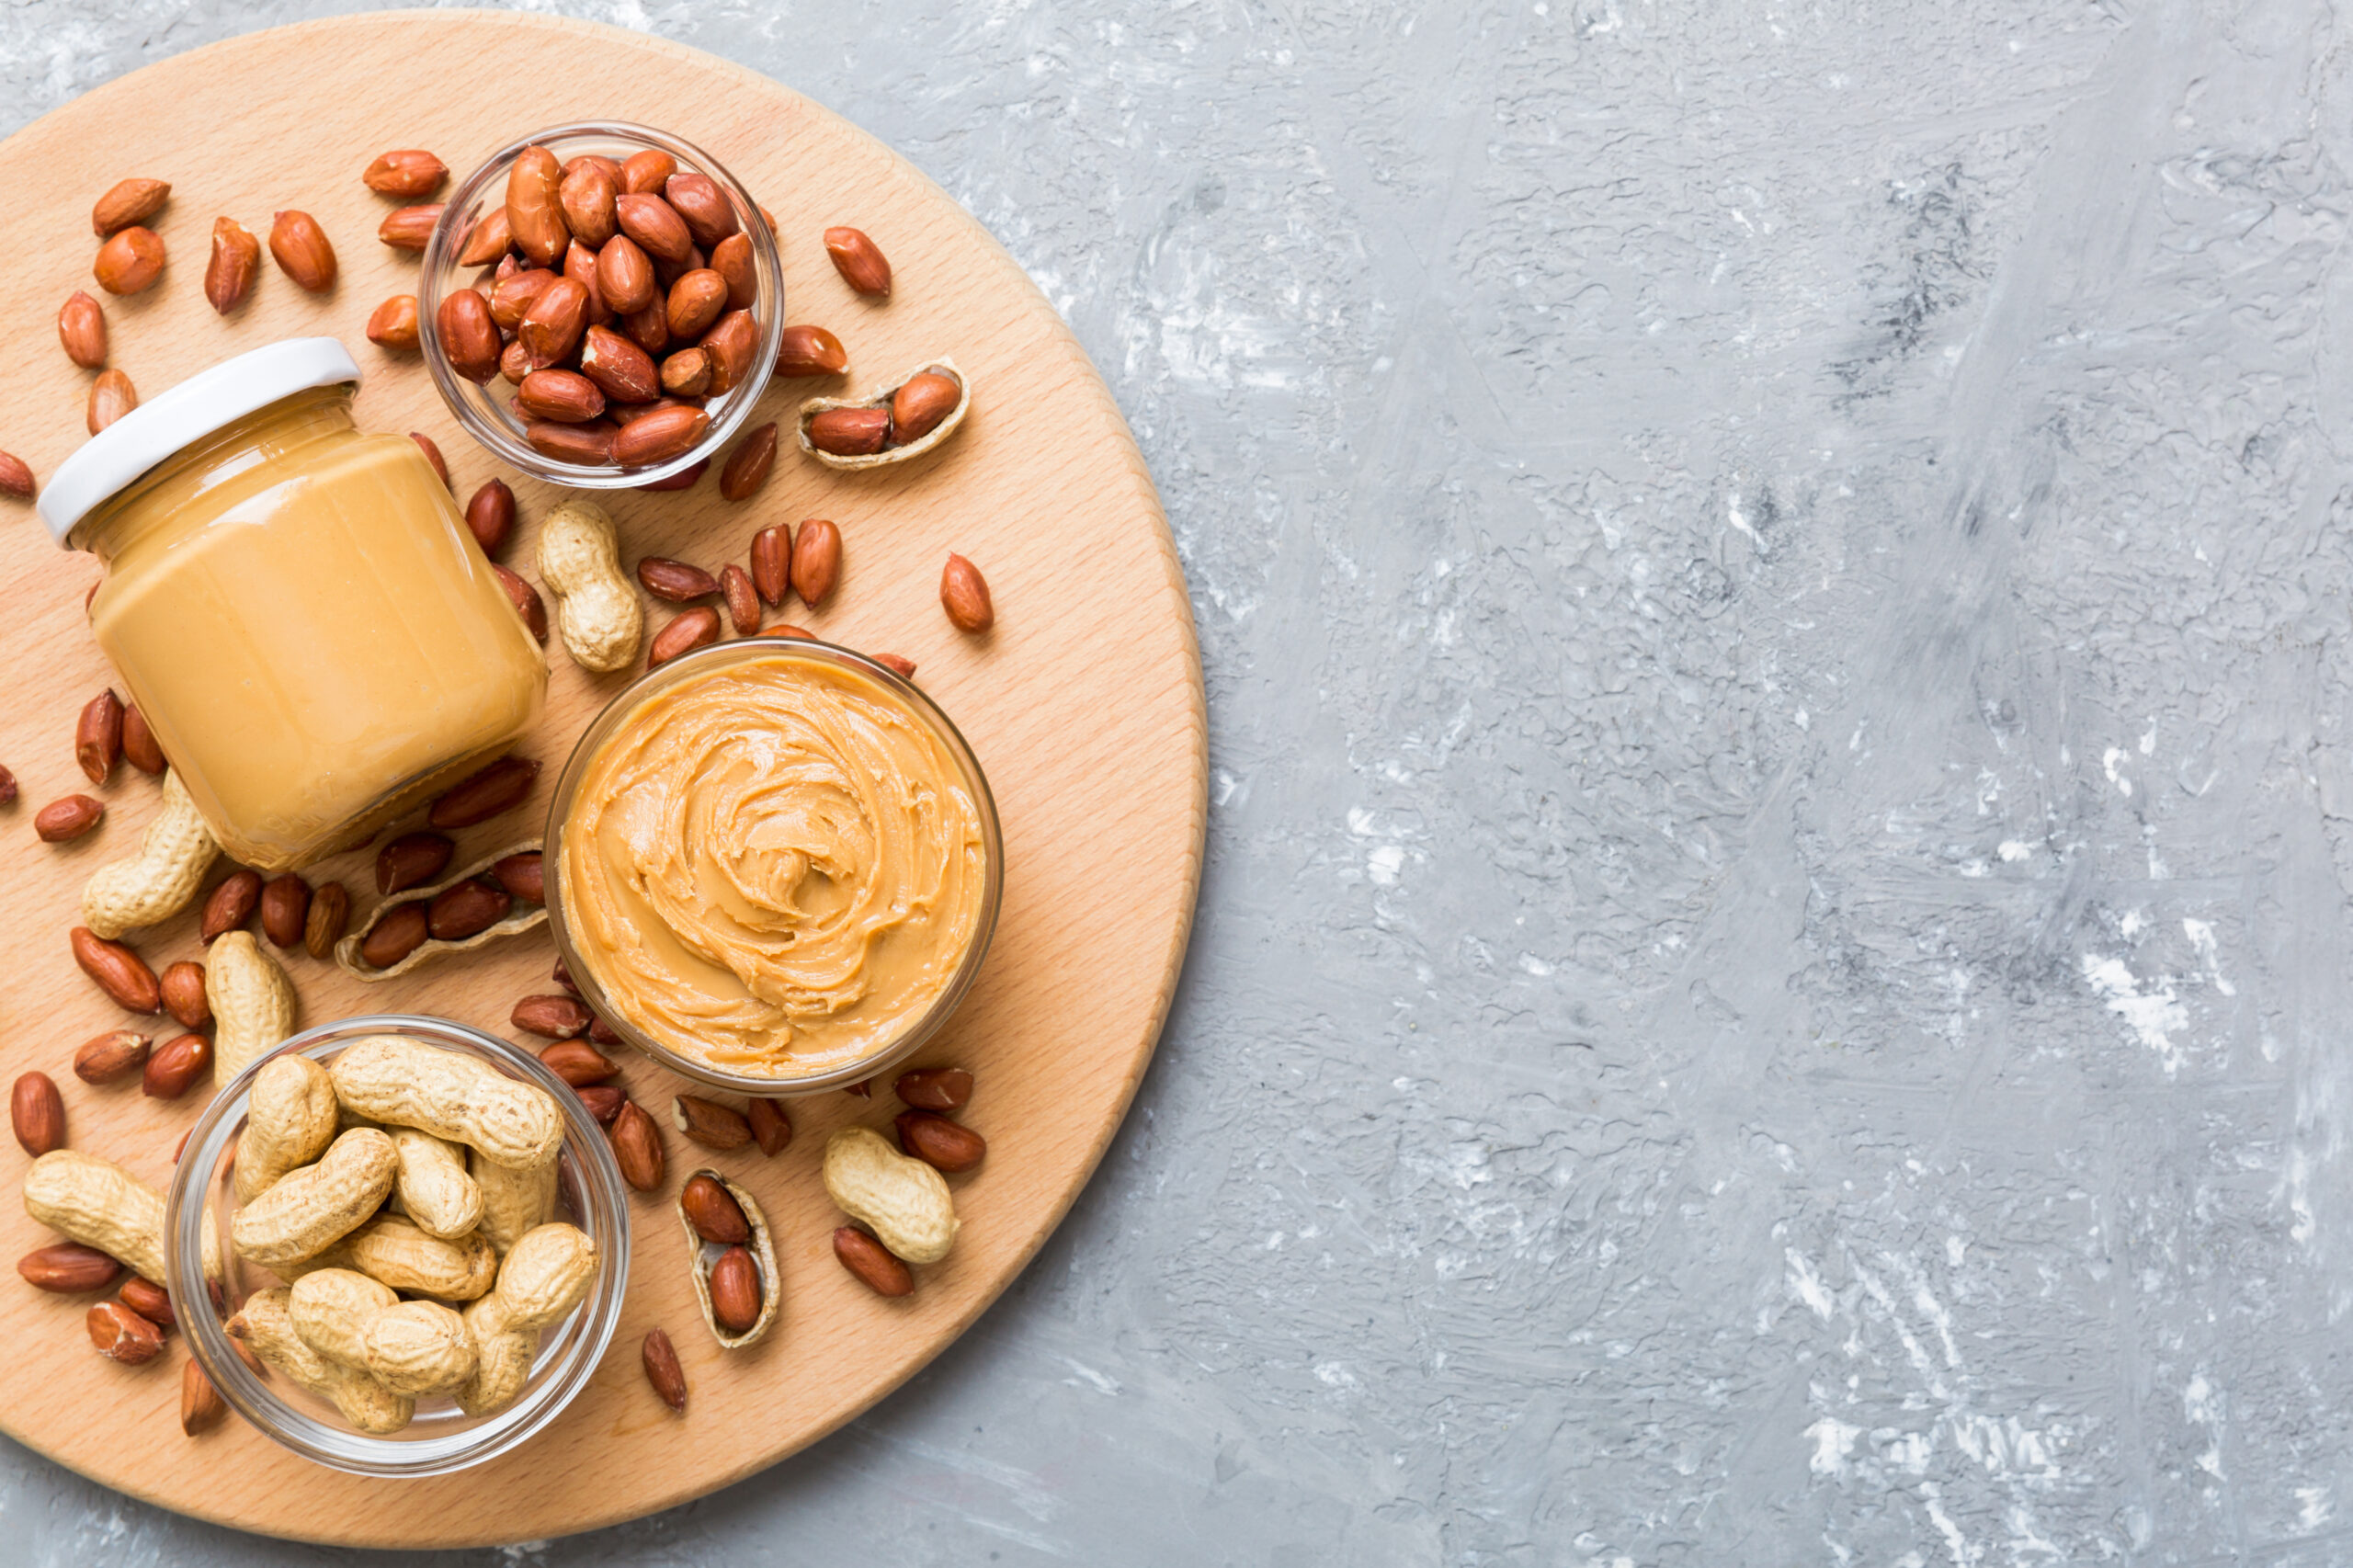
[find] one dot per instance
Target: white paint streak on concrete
(2155, 1015)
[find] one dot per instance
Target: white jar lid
(204, 403)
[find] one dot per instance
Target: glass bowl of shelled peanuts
(600, 304)
(398, 1245)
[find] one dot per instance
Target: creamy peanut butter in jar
(295, 605)
(776, 866)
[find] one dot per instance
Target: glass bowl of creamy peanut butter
(775, 866)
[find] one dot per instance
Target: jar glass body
(304, 621)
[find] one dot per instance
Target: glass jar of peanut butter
(295, 605)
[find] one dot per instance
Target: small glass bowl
(702, 661)
(442, 1439)
(482, 409)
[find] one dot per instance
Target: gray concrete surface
(1773, 980)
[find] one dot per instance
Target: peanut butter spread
(775, 868)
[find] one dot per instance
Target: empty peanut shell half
(399, 935)
(901, 419)
(702, 1256)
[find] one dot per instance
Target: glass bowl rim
(352, 1451)
(609, 719)
(439, 267)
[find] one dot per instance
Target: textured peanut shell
(523, 918)
(880, 398)
(330, 1308)
(702, 1254)
(902, 1201)
(266, 1325)
(512, 1202)
(432, 1185)
(290, 1120)
(545, 1274)
(99, 1204)
(502, 1360)
(393, 1079)
(336, 1257)
(407, 1259)
(252, 1002)
(597, 610)
(308, 1210)
(162, 878)
(418, 1347)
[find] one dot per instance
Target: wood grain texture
(1083, 704)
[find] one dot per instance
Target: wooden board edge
(1193, 828)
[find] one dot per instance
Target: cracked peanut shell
(702, 1255)
(880, 398)
(522, 917)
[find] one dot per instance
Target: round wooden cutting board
(1085, 706)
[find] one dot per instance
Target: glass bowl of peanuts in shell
(515, 327)
(421, 1238)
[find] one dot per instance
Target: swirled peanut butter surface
(775, 868)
